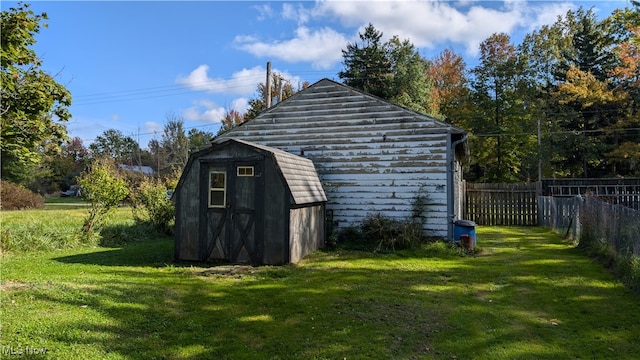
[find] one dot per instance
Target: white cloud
(429, 24)
(208, 111)
(547, 15)
(153, 127)
(264, 11)
(204, 114)
(241, 105)
(242, 82)
(204, 110)
(298, 13)
(322, 48)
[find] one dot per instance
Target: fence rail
(561, 214)
(589, 220)
(517, 204)
(501, 204)
(625, 191)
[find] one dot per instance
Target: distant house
(242, 202)
(146, 170)
(371, 156)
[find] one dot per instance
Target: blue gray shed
(242, 202)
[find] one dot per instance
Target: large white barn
(371, 156)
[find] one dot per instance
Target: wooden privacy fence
(501, 204)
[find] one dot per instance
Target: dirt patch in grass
(15, 285)
(227, 270)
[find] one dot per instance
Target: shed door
(232, 194)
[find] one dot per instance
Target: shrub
(391, 234)
(628, 268)
(379, 232)
(151, 204)
(16, 197)
(105, 189)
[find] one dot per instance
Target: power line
(555, 132)
(223, 85)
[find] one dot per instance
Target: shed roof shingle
(299, 173)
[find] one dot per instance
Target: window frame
(245, 168)
(223, 189)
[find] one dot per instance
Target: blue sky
(131, 65)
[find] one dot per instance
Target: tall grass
(35, 230)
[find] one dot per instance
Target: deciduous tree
(115, 145)
(174, 144)
(34, 106)
(450, 88)
(281, 89)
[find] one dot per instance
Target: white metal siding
(371, 156)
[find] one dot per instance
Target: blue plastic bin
(464, 227)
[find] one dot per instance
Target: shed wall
(187, 215)
(279, 234)
(276, 215)
(371, 156)
(306, 229)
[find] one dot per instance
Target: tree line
(562, 103)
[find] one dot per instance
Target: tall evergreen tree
(366, 64)
(410, 85)
(199, 139)
(499, 89)
(393, 70)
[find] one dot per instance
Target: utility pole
(268, 92)
(539, 185)
(539, 155)
(280, 79)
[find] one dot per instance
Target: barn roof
(299, 173)
(354, 113)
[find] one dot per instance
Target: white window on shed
(244, 170)
(217, 189)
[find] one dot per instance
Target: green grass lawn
(528, 295)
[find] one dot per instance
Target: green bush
(103, 186)
(151, 204)
(628, 268)
(16, 197)
(380, 233)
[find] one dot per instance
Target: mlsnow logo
(22, 351)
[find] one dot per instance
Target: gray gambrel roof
(298, 173)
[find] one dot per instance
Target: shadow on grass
(530, 297)
(137, 245)
(128, 245)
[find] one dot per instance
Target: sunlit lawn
(529, 295)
